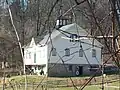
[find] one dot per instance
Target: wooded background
(36, 21)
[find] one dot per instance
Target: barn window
(81, 53)
(74, 38)
(93, 53)
(67, 52)
(34, 57)
(54, 52)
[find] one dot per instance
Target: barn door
(80, 70)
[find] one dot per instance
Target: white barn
(66, 55)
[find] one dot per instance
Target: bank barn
(69, 54)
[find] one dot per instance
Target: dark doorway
(80, 70)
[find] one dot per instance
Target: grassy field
(52, 83)
(92, 87)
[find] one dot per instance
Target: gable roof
(30, 44)
(74, 27)
(57, 32)
(69, 29)
(47, 37)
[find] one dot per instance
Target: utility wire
(48, 37)
(66, 34)
(105, 43)
(49, 15)
(65, 56)
(80, 44)
(72, 8)
(61, 60)
(64, 64)
(82, 48)
(86, 83)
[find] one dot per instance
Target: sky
(23, 3)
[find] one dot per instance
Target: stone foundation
(69, 69)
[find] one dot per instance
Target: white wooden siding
(41, 55)
(61, 44)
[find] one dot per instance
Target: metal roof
(71, 28)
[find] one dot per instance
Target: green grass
(91, 87)
(54, 83)
(37, 79)
(21, 79)
(115, 83)
(98, 87)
